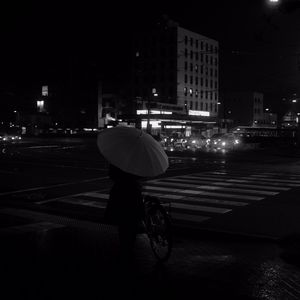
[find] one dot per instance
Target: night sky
(39, 39)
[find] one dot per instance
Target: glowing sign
(40, 105)
(199, 113)
(45, 90)
(174, 126)
(153, 112)
(154, 124)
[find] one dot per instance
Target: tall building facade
(197, 72)
(175, 66)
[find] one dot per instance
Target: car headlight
(223, 143)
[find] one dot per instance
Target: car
(4, 137)
(196, 142)
(226, 141)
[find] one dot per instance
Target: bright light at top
(274, 0)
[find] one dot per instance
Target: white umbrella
(133, 151)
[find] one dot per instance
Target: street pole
(148, 116)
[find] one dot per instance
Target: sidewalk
(78, 263)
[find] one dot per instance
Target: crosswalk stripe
(96, 195)
(193, 192)
(170, 197)
(275, 179)
(263, 174)
(257, 177)
(244, 180)
(227, 184)
(200, 208)
(196, 200)
(213, 188)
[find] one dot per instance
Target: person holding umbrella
(133, 155)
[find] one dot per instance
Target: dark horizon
(41, 39)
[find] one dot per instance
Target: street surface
(53, 194)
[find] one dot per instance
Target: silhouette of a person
(125, 208)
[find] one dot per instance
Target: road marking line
(32, 227)
(58, 198)
(46, 146)
(84, 202)
(51, 186)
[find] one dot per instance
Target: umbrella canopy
(133, 151)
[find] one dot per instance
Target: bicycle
(158, 227)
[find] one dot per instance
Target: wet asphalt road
(67, 262)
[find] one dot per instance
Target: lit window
(185, 91)
(191, 92)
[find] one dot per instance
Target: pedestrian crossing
(198, 197)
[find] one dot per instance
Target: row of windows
(203, 69)
(208, 94)
(203, 57)
(202, 106)
(203, 45)
(212, 84)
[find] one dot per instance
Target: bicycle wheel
(158, 227)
